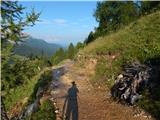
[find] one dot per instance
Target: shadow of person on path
(70, 107)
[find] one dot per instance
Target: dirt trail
(93, 103)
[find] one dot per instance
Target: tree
(111, 15)
(79, 45)
(12, 26)
(90, 38)
(58, 56)
(147, 7)
(71, 51)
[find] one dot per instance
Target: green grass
(43, 82)
(138, 41)
(46, 112)
(150, 104)
(21, 92)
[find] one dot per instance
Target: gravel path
(94, 103)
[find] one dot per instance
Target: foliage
(12, 21)
(12, 25)
(14, 71)
(90, 38)
(19, 71)
(113, 15)
(148, 7)
(20, 78)
(70, 53)
(58, 56)
(140, 40)
(42, 82)
(28, 90)
(79, 46)
(46, 112)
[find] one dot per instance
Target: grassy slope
(46, 112)
(21, 92)
(138, 41)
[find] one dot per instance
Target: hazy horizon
(62, 22)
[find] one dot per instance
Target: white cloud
(60, 21)
(44, 21)
(57, 21)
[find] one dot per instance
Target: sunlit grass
(21, 92)
(138, 41)
(46, 112)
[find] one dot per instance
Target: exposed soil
(94, 103)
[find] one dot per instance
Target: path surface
(93, 103)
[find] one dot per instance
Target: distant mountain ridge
(36, 47)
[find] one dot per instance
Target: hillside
(140, 41)
(33, 46)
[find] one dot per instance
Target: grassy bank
(140, 41)
(46, 112)
(21, 93)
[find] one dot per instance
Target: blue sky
(62, 22)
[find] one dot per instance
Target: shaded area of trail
(70, 107)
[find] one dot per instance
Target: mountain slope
(33, 46)
(140, 41)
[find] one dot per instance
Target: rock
(120, 76)
(142, 113)
(39, 92)
(134, 98)
(56, 111)
(54, 103)
(53, 92)
(133, 78)
(136, 115)
(145, 116)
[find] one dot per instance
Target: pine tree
(12, 26)
(58, 56)
(71, 51)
